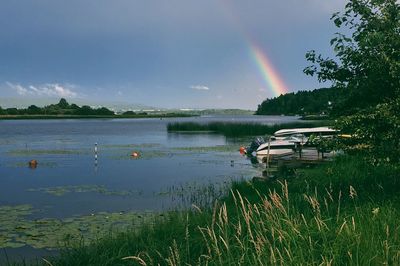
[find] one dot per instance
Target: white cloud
(18, 88)
(200, 87)
(46, 90)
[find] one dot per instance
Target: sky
(166, 54)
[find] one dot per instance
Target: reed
(239, 129)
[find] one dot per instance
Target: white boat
(281, 147)
(318, 131)
(287, 141)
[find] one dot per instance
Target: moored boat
(286, 141)
(280, 147)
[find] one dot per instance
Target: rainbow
(271, 77)
(267, 71)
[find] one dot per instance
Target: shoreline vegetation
(116, 116)
(240, 129)
(64, 110)
(350, 217)
(315, 104)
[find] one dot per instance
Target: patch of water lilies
(141, 151)
(218, 148)
(17, 230)
(127, 155)
(131, 146)
(29, 152)
(6, 141)
(62, 190)
(147, 151)
(47, 164)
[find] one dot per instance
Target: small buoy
(242, 150)
(135, 154)
(33, 163)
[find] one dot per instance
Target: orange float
(135, 154)
(33, 164)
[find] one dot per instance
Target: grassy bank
(239, 129)
(342, 213)
(23, 117)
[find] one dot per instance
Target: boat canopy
(305, 131)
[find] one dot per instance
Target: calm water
(65, 152)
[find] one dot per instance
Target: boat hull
(275, 152)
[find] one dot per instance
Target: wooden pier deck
(308, 156)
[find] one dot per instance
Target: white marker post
(95, 155)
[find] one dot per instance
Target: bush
(375, 132)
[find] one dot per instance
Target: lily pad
(42, 164)
(62, 190)
(29, 152)
(145, 155)
(132, 146)
(17, 230)
(218, 148)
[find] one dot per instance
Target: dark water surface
(67, 181)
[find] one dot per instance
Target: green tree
(318, 101)
(368, 70)
(84, 110)
(368, 61)
(103, 111)
(74, 106)
(129, 113)
(375, 132)
(63, 104)
(34, 110)
(12, 111)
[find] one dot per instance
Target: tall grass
(342, 213)
(238, 129)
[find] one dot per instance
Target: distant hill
(318, 101)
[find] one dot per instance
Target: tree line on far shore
(63, 108)
(319, 101)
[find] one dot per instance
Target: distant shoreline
(49, 117)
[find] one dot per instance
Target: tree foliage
(320, 101)
(61, 108)
(367, 62)
(63, 104)
(367, 68)
(374, 132)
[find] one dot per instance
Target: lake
(69, 188)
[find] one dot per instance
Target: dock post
(269, 147)
(298, 144)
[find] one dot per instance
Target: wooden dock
(307, 156)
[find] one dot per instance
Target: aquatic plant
(62, 190)
(217, 148)
(28, 152)
(17, 230)
(238, 129)
(193, 193)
